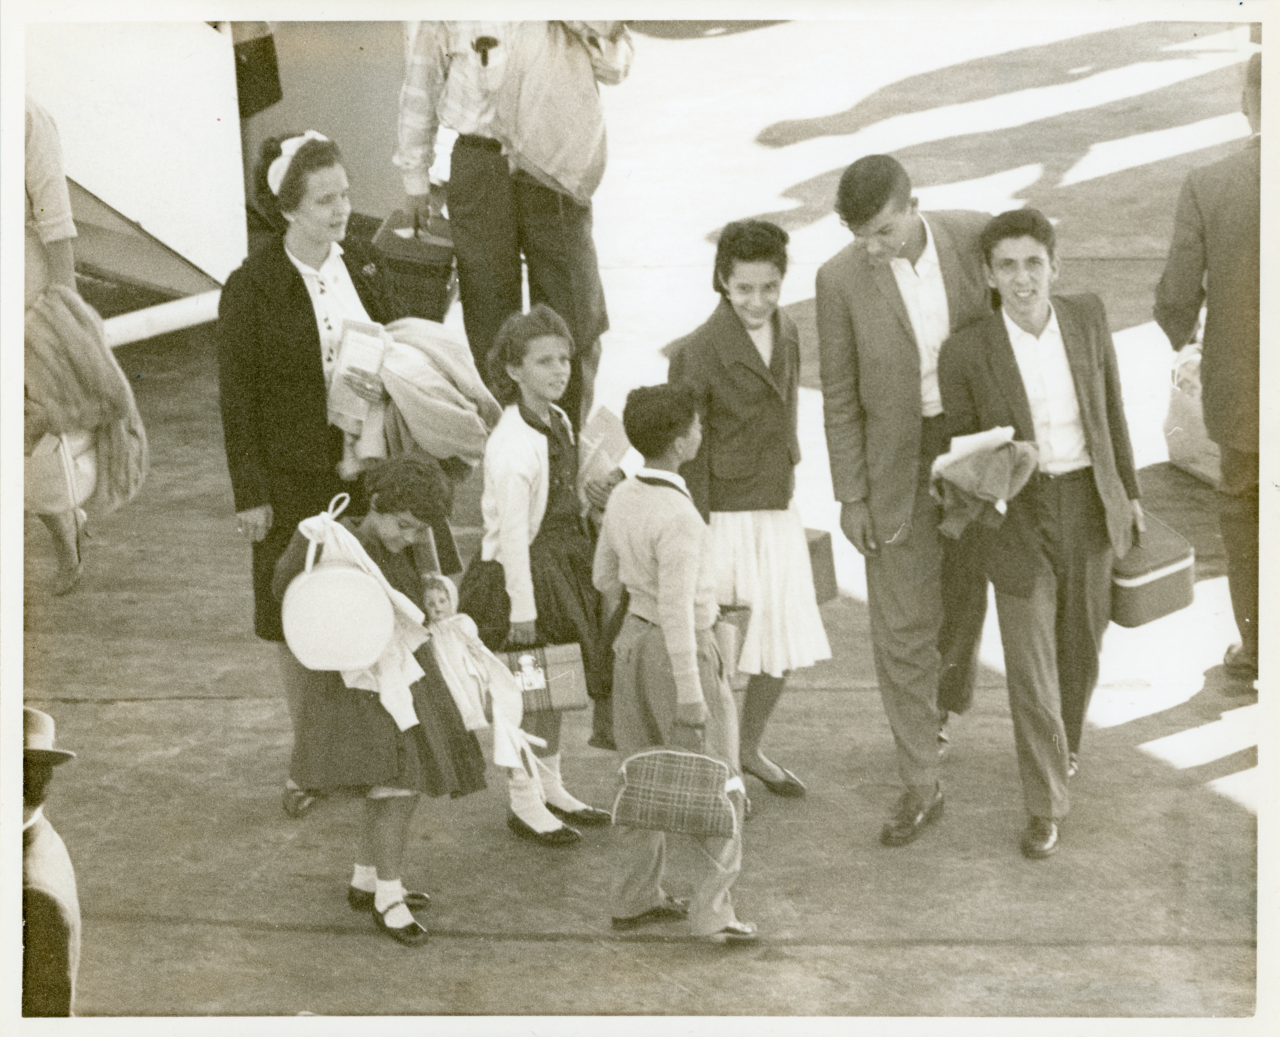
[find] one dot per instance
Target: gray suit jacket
(982, 388)
(870, 367)
(1216, 233)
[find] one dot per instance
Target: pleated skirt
(761, 559)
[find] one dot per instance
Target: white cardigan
(516, 482)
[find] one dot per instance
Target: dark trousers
(1052, 637)
(496, 219)
(927, 600)
(1238, 520)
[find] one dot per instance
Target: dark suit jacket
(749, 443)
(1216, 232)
(982, 388)
(50, 922)
(271, 377)
(871, 367)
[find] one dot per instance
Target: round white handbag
(336, 616)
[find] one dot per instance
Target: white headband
(280, 167)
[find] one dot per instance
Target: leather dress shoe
(1073, 765)
(736, 934)
(562, 836)
(410, 935)
(1040, 838)
(910, 818)
(789, 787)
(670, 910)
(588, 816)
(362, 900)
(1241, 663)
(298, 802)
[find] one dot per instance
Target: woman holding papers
(743, 366)
(279, 327)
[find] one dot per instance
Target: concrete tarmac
(201, 898)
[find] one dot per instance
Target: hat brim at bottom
(48, 755)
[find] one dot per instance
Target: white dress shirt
(925, 297)
(763, 339)
(334, 298)
(1055, 409)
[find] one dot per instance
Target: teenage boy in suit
(1047, 367)
(885, 304)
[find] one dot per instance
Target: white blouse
(334, 299)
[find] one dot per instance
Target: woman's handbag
(61, 473)
(551, 677)
(672, 790)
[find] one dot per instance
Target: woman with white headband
(279, 326)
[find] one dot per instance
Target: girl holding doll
(531, 584)
(346, 740)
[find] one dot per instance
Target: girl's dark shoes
(588, 816)
(362, 900)
(562, 836)
(410, 935)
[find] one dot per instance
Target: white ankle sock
(388, 892)
(365, 877)
(557, 795)
(527, 805)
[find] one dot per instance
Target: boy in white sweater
(669, 683)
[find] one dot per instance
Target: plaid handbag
(672, 790)
(552, 677)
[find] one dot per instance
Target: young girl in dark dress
(532, 582)
(345, 740)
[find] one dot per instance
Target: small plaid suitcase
(672, 790)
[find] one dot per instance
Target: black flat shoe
(588, 816)
(563, 836)
(673, 910)
(362, 900)
(789, 787)
(910, 818)
(298, 802)
(410, 935)
(1040, 838)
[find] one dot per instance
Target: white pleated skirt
(761, 559)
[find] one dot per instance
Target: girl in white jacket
(532, 582)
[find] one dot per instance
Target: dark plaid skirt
(345, 740)
(560, 560)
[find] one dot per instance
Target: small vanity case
(1155, 578)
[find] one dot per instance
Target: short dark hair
(748, 241)
(655, 416)
(312, 155)
(411, 482)
(512, 343)
(1017, 223)
(868, 186)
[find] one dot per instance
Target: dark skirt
(345, 740)
(560, 560)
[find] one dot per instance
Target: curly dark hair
(313, 155)
(512, 343)
(748, 241)
(414, 483)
